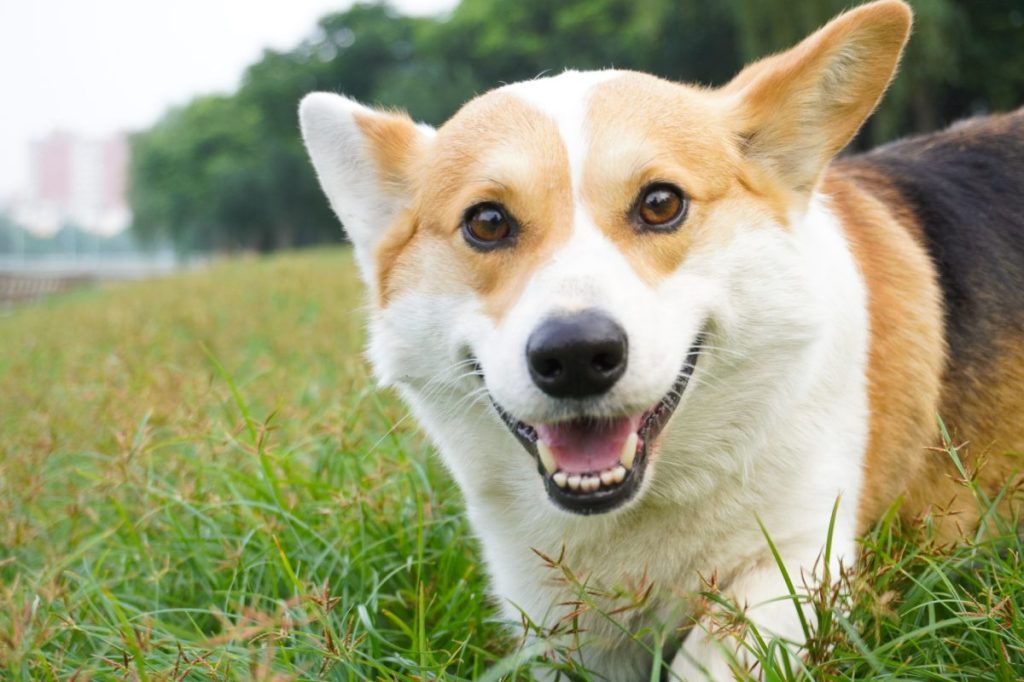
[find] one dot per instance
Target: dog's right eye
(661, 207)
(487, 226)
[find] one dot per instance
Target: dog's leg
(713, 648)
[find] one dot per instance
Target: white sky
(100, 66)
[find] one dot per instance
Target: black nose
(577, 355)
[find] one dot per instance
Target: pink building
(51, 169)
(76, 180)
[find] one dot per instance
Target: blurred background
(141, 137)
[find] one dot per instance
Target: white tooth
(608, 477)
(547, 458)
(592, 483)
(618, 473)
(629, 450)
(574, 482)
(560, 478)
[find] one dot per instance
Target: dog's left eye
(661, 207)
(487, 226)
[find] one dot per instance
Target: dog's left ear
(365, 159)
(795, 110)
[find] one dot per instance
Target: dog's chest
(603, 588)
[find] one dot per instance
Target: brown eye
(661, 206)
(487, 226)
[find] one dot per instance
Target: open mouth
(592, 465)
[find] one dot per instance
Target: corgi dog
(650, 325)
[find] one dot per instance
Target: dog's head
(572, 251)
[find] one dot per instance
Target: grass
(197, 481)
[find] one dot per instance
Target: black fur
(966, 187)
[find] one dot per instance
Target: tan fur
(394, 143)
(396, 238)
(815, 96)
(499, 149)
(984, 411)
(396, 147)
(906, 354)
(912, 382)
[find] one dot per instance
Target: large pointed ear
(364, 159)
(798, 109)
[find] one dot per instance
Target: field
(198, 481)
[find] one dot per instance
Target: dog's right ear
(797, 109)
(364, 159)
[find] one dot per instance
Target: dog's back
(960, 195)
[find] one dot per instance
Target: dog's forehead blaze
(496, 148)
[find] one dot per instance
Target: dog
(650, 326)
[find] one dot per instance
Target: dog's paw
(726, 656)
(704, 657)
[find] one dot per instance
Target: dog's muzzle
(592, 465)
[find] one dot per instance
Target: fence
(21, 288)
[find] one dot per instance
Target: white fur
(772, 427)
(564, 99)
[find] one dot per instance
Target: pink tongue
(584, 446)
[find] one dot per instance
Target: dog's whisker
(479, 395)
(387, 434)
(720, 349)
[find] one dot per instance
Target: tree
(188, 172)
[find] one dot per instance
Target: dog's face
(575, 252)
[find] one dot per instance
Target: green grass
(197, 481)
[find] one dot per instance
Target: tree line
(228, 172)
